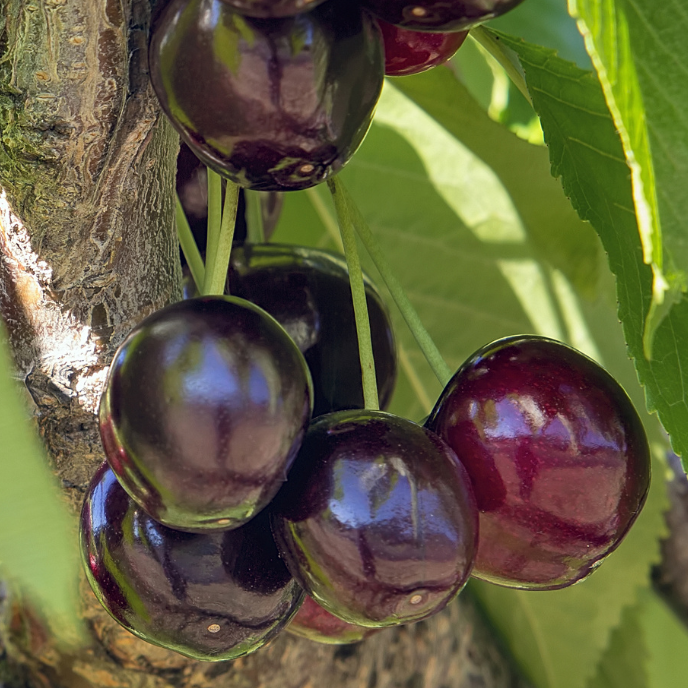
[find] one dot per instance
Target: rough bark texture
(87, 248)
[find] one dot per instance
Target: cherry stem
(188, 244)
(343, 207)
(216, 269)
(494, 47)
(254, 217)
(432, 354)
(214, 217)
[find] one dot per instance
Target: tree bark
(87, 249)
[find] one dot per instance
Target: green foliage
(641, 55)
(37, 538)
(666, 640)
(631, 44)
(623, 664)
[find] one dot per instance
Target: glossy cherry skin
(272, 8)
(307, 290)
(438, 15)
(203, 412)
(271, 104)
(317, 624)
(377, 520)
(557, 454)
(209, 596)
(411, 52)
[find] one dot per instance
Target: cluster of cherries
(277, 95)
(242, 469)
(246, 489)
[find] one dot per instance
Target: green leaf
(587, 153)
(666, 638)
(649, 649)
(546, 23)
(38, 540)
(640, 53)
(624, 662)
(552, 226)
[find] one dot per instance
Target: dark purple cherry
(307, 290)
(377, 520)
(203, 412)
(272, 8)
(557, 455)
(272, 104)
(317, 624)
(209, 596)
(438, 15)
(411, 52)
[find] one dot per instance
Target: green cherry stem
(494, 46)
(421, 335)
(365, 345)
(214, 216)
(189, 247)
(216, 271)
(254, 217)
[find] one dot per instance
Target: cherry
(210, 596)
(377, 520)
(411, 52)
(557, 455)
(203, 412)
(317, 624)
(307, 290)
(271, 104)
(272, 8)
(438, 15)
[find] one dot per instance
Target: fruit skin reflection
(412, 52)
(271, 104)
(377, 520)
(315, 623)
(211, 597)
(557, 454)
(203, 412)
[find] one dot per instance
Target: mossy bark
(88, 248)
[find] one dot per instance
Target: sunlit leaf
(624, 662)
(640, 53)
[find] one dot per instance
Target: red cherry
(411, 52)
(377, 519)
(317, 624)
(557, 455)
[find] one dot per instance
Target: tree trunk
(87, 249)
